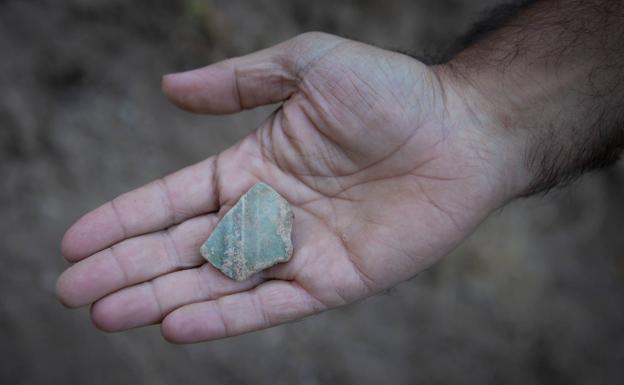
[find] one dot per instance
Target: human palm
(383, 176)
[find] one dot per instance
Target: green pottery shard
(253, 235)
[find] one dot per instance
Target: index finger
(155, 206)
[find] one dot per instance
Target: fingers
(149, 302)
(184, 194)
(264, 77)
(135, 260)
(269, 304)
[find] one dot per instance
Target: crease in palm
(361, 148)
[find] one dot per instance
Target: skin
(388, 165)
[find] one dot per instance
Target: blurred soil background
(536, 296)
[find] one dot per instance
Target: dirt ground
(534, 297)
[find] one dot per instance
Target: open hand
(386, 169)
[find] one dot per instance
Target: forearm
(550, 79)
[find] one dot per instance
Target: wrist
(546, 91)
(484, 123)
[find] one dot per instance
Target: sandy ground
(534, 297)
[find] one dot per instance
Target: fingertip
(104, 319)
(167, 84)
(181, 89)
(76, 244)
(63, 292)
(70, 289)
(168, 331)
(98, 318)
(91, 233)
(68, 245)
(176, 329)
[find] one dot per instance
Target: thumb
(268, 76)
